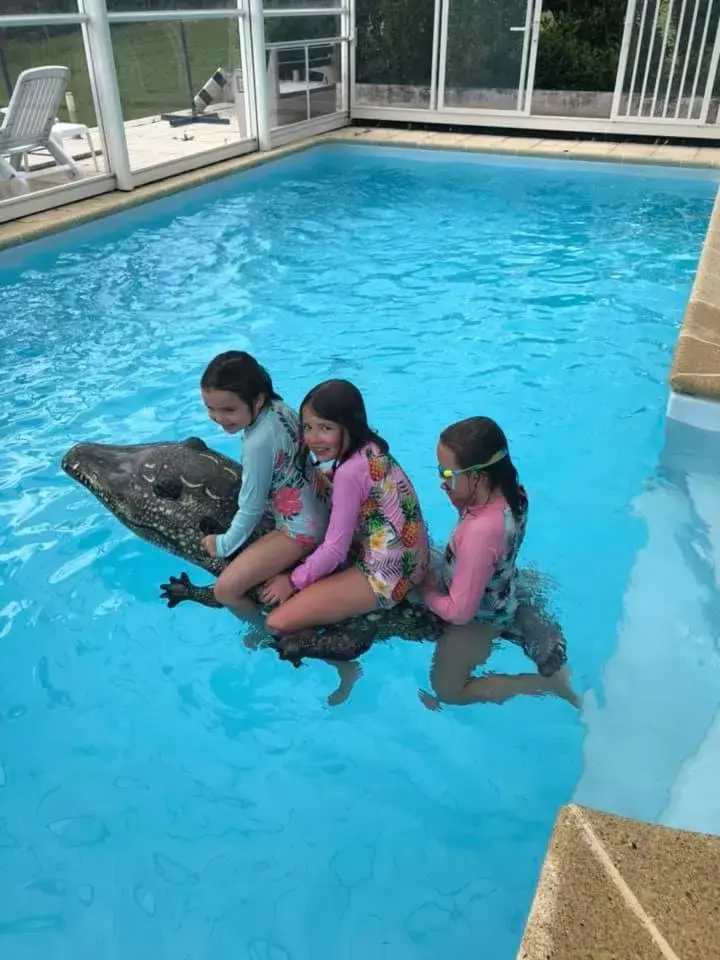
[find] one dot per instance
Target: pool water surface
(165, 792)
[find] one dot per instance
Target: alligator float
(174, 494)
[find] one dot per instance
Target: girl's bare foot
(429, 701)
(349, 672)
(560, 685)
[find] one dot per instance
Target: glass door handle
(517, 29)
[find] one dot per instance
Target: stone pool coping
(618, 889)
(696, 365)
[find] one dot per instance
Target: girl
(239, 397)
(479, 595)
(373, 503)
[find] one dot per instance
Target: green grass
(149, 61)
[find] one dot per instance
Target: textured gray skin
(174, 494)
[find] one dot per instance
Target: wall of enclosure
(99, 95)
(626, 67)
(158, 87)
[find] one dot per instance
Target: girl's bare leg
(458, 652)
(349, 672)
(337, 597)
(501, 687)
(461, 649)
(265, 558)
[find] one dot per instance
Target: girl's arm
(478, 547)
(350, 488)
(258, 466)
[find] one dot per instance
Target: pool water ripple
(168, 793)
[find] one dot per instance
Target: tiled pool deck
(611, 889)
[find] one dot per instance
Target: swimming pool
(166, 793)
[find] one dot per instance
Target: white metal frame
(249, 22)
(315, 125)
(654, 23)
(530, 30)
(666, 117)
(59, 196)
(92, 186)
(552, 125)
(106, 96)
(670, 124)
(93, 19)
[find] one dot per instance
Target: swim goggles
(450, 475)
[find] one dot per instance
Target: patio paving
(151, 140)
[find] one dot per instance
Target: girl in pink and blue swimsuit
(375, 550)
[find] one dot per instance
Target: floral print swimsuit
(376, 522)
(273, 482)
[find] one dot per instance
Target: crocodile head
(170, 494)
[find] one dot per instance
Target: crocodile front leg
(182, 588)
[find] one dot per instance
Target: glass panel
(286, 29)
(484, 53)
(122, 6)
(304, 82)
(325, 65)
(303, 4)
(181, 87)
(79, 146)
(33, 7)
(394, 53)
(578, 55)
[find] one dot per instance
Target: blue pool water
(164, 793)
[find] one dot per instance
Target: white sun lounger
(27, 126)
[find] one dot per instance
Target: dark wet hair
(239, 373)
(340, 401)
(476, 440)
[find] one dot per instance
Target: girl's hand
(277, 590)
(429, 581)
(209, 545)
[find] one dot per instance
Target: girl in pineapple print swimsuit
(376, 533)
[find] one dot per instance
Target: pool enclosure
(151, 88)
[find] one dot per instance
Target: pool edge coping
(615, 886)
(36, 226)
(695, 370)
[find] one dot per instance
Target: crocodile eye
(195, 443)
(169, 488)
(209, 525)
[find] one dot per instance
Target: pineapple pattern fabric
(392, 537)
(376, 524)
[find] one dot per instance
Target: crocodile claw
(176, 590)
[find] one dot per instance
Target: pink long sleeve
(350, 488)
(479, 543)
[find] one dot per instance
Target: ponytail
(503, 476)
